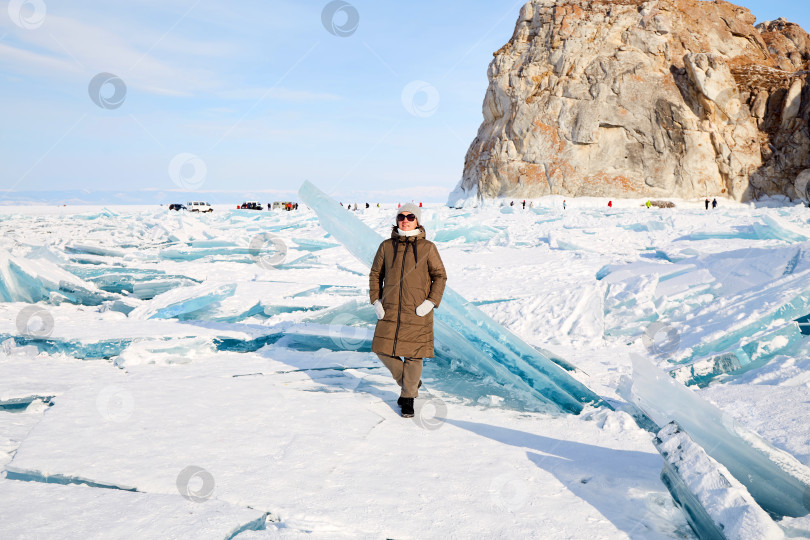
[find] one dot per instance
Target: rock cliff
(679, 98)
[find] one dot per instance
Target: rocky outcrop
(679, 98)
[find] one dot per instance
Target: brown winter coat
(401, 283)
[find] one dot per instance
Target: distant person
(420, 204)
(714, 203)
(378, 205)
(406, 283)
(707, 203)
(399, 205)
(610, 204)
(531, 204)
(367, 205)
(524, 204)
(648, 203)
(563, 204)
(512, 203)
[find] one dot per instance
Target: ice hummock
(735, 310)
(39, 279)
(463, 331)
(716, 505)
(775, 479)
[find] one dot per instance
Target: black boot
(407, 407)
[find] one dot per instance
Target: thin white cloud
(29, 63)
(68, 47)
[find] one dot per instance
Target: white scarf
(407, 233)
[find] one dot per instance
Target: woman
(405, 284)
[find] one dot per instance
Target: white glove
(424, 308)
(378, 309)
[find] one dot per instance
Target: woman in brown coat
(406, 283)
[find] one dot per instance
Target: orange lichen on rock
(615, 183)
(532, 173)
(550, 134)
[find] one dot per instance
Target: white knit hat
(413, 209)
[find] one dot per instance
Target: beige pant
(406, 372)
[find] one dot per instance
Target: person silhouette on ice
(406, 283)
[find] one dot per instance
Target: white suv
(198, 206)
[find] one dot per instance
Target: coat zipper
(399, 307)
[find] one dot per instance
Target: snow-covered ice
(716, 504)
(161, 343)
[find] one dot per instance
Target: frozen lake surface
(174, 375)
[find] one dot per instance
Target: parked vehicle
(199, 206)
(251, 205)
(177, 206)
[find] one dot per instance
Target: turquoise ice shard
(42, 280)
(776, 480)
(464, 332)
(180, 302)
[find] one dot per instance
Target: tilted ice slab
(107, 513)
(183, 301)
(778, 482)
(762, 327)
(744, 304)
(468, 334)
(35, 280)
(716, 505)
(770, 229)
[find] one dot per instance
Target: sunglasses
(403, 217)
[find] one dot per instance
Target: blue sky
(252, 96)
